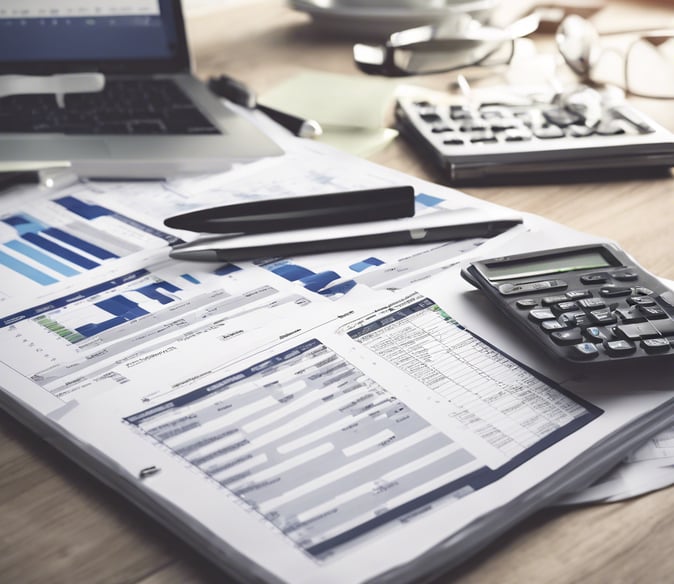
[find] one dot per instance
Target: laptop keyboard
(125, 106)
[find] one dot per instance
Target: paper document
(332, 418)
(345, 433)
(649, 468)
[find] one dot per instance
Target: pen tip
(310, 129)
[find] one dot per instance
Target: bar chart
(335, 274)
(51, 241)
(110, 317)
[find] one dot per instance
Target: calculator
(533, 140)
(585, 304)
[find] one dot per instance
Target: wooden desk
(59, 525)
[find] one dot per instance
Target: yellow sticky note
(334, 100)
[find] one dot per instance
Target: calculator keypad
(613, 316)
(534, 137)
(462, 125)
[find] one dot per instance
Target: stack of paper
(332, 418)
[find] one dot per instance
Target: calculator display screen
(552, 264)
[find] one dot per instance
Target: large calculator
(533, 140)
(583, 304)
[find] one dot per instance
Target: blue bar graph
(313, 281)
(122, 309)
(152, 291)
(59, 250)
(29, 230)
(74, 241)
(54, 248)
(338, 289)
(289, 271)
(85, 210)
(427, 200)
(90, 211)
(42, 258)
(365, 264)
(190, 278)
(26, 270)
(317, 282)
(226, 269)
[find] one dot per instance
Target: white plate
(373, 21)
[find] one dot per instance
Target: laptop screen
(103, 35)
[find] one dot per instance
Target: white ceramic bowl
(369, 19)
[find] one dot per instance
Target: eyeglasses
(644, 67)
(433, 49)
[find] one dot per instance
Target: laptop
(152, 119)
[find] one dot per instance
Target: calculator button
(540, 314)
(453, 140)
(629, 314)
(596, 334)
(584, 351)
(609, 128)
(494, 112)
(516, 135)
(655, 345)
(577, 294)
(548, 132)
(603, 316)
(642, 291)
(526, 303)
(597, 278)
(626, 276)
(591, 303)
(548, 285)
(459, 112)
(562, 117)
(430, 117)
(636, 331)
(612, 291)
(667, 298)
(641, 301)
(527, 287)
(652, 312)
(441, 128)
(502, 125)
(566, 306)
(578, 131)
(553, 325)
(570, 337)
(578, 318)
(473, 125)
(619, 348)
(550, 300)
(632, 117)
(481, 136)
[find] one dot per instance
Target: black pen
(269, 215)
(239, 93)
(298, 126)
(11, 178)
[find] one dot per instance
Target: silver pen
(440, 226)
